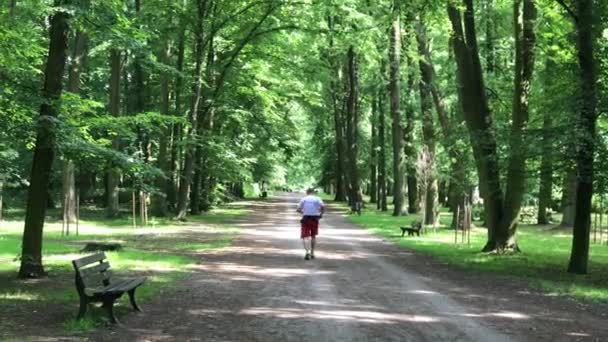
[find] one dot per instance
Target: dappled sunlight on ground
(231, 268)
(342, 315)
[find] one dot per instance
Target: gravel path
(360, 288)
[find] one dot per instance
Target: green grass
(164, 252)
(542, 263)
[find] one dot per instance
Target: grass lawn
(543, 261)
(164, 252)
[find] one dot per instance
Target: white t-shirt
(311, 205)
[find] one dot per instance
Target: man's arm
(299, 209)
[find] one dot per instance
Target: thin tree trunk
(410, 151)
(352, 122)
(373, 181)
(44, 152)
(159, 199)
(472, 92)
(587, 130)
(546, 170)
(490, 29)
(382, 193)
(397, 124)
(79, 52)
(113, 206)
(338, 124)
(568, 199)
(190, 161)
(428, 128)
(524, 12)
(173, 184)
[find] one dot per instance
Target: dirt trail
(360, 288)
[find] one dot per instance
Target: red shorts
(310, 227)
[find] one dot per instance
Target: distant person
(311, 207)
(357, 204)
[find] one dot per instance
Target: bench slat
(126, 284)
(99, 268)
(122, 285)
(78, 263)
(96, 280)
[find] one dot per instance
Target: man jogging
(311, 207)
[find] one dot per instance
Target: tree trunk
(431, 215)
(79, 53)
(113, 206)
(382, 187)
(159, 199)
(192, 136)
(352, 124)
(568, 199)
(44, 152)
(397, 125)
(411, 155)
(524, 14)
(373, 160)
(546, 170)
(338, 124)
(490, 29)
(139, 91)
(586, 141)
(173, 185)
(472, 92)
(205, 184)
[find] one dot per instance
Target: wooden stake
(595, 228)
(134, 212)
(457, 225)
(63, 216)
(77, 212)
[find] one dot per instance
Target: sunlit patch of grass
(19, 296)
(543, 260)
(162, 253)
(198, 247)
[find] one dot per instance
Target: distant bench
(414, 228)
(95, 284)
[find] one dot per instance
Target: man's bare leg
(313, 241)
(306, 242)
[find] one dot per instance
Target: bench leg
(108, 304)
(133, 302)
(402, 232)
(84, 304)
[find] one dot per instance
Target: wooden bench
(415, 228)
(95, 284)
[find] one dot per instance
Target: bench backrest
(92, 271)
(417, 225)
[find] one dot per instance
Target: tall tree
(502, 213)
(44, 152)
(382, 179)
(79, 52)
(586, 135)
(546, 168)
(373, 162)
(113, 176)
(524, 13)
(431, 209)
(394, 57)
(352, 124)
(336, 100)
(195, 99)
(159, 200)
